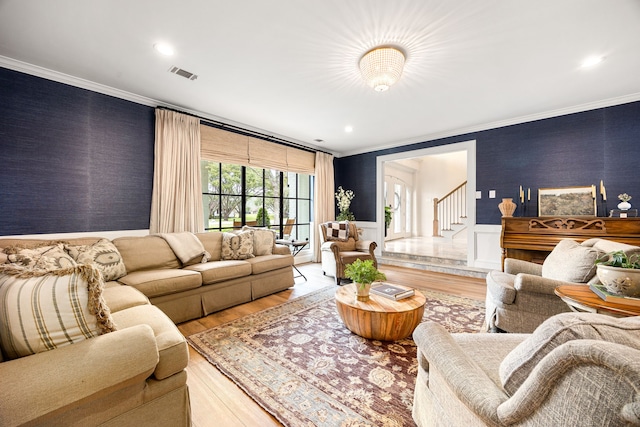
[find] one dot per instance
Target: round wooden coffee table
(379, 318)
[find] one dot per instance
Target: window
(235, 195)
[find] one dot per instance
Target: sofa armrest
(515, 266)
(537, 285)
(567, 376)
(281, 249)
(366, 246)
(37, 385)
(463, 376)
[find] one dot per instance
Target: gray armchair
(522, 296)
(337, 249)
(575, 369)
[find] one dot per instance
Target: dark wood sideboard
(533, 238)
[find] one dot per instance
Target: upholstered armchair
(576, 369)
(522, 296)
(341, 245)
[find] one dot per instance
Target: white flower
(344, 198)
(624, 197)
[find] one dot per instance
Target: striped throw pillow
(43, 310)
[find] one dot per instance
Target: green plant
(620, 259)
(363, 272)
(262, 218)
(387, 216)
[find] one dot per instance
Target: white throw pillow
(571, 262)
(45, 310)
(264, 240)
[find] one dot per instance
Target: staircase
(450, 213)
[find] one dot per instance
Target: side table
(581, 298)
(296, 246)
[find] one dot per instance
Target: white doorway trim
(470, 148)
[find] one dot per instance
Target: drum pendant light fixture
(381, 67)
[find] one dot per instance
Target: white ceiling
(289, 67)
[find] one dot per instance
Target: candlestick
(603, 191)
(593, 191)
(529, 194)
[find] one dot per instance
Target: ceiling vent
(183, 73)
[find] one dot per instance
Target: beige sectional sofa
(134, 375)
(187, 292)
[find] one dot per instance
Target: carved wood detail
(563, 224)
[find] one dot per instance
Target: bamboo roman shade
(224, 147)
(229, 147)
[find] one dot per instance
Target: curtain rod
(247, 132)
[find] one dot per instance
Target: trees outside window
(235, 195)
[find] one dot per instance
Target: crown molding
(610, 102)
(59, 77)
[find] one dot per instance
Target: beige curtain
(176, 203)
(323, 198)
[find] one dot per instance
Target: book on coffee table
(604, 294)
(390, 291)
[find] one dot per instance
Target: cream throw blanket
(186, 246)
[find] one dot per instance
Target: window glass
(234, 195)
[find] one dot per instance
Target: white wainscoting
(487, 251)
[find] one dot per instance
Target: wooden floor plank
(218, 401)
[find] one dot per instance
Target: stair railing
(449, 209)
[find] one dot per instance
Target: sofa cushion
(44, 256)
(146, 253)
(103, 254)
(212, 242)
(218, 271)
(261, 264)
(119, 297)
(571, 262)
(559, 329)
(264, 240)
(154, 283)
(43, 310)
(237, 245)
(172, 347)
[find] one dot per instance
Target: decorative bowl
(620, 281)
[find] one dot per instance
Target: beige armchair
(576, 369)
(522, 297)
(339, 248)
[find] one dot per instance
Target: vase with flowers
(624, 204)
(344, 198)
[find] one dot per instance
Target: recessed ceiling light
(592, 61)
(348, 129)
(163, 48)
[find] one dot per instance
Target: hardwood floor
(217, 401)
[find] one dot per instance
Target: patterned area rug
(300, 363)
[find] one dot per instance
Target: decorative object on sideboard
(619, 272)
(624, 202)
(507, 207)
(363, 274)
(567, 201)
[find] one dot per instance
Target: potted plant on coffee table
(620, 273)
(363, 274)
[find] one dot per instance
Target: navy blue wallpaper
(72, 160)
(572, 150)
